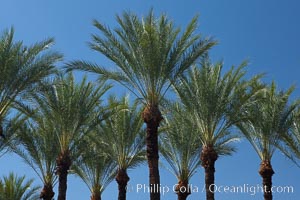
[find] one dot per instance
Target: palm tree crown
(94, 167)
(148, 53)
(21, 68)
(36, 144)
(14, 187)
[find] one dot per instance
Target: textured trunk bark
(182, 190)
(47, 192)
(122, 180)
(96, 196)
(63, 165)
(152, 117)
(266, 172)
(208, 159)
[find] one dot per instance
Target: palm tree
(149, 55)
(71, 110)
(213, 101)
(124, 140)
(14, 187)
(268, 120)
(36, 144)
(21, 68)
(95, 168)
(180, 148)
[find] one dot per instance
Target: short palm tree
(124, 140)
(268, 120)
(180, 148)
(214, 100)
(149, 55)
(13, 187)
(36, 144)
(95, 168)
(71, 109)
(21, 68)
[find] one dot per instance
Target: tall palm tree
(214, 100)
(95, 168)
(14, 187)
(180, 148)
(21, 68)
(149, 55)
(268, 120)
(36, 144)
(124, 140)
(71, 109)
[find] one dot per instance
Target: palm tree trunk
(266, 172)
(152, 117)
(47, 192)
(122, 180)
(96, 195)
(63, 165)
(182, 190)
(208, 158)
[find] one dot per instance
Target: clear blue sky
(264, 32)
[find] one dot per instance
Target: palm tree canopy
(180, 145)
(14, 187)
(269, 119)
(215, 100)
(70, 108)
(22, 67)
(123, 135)
(149, 53)
(94, 167)
(37, 146)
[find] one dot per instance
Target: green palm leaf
(13, 187)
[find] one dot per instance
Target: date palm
(14, 187)
(149, 55)
(71, 110)
(36, 144)
(180, 148)
(21, 68)
(95, 168)
(214, 100)
(269, 119)
(124, 140)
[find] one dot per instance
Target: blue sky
(264, 32)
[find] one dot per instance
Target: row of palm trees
(49, 119)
